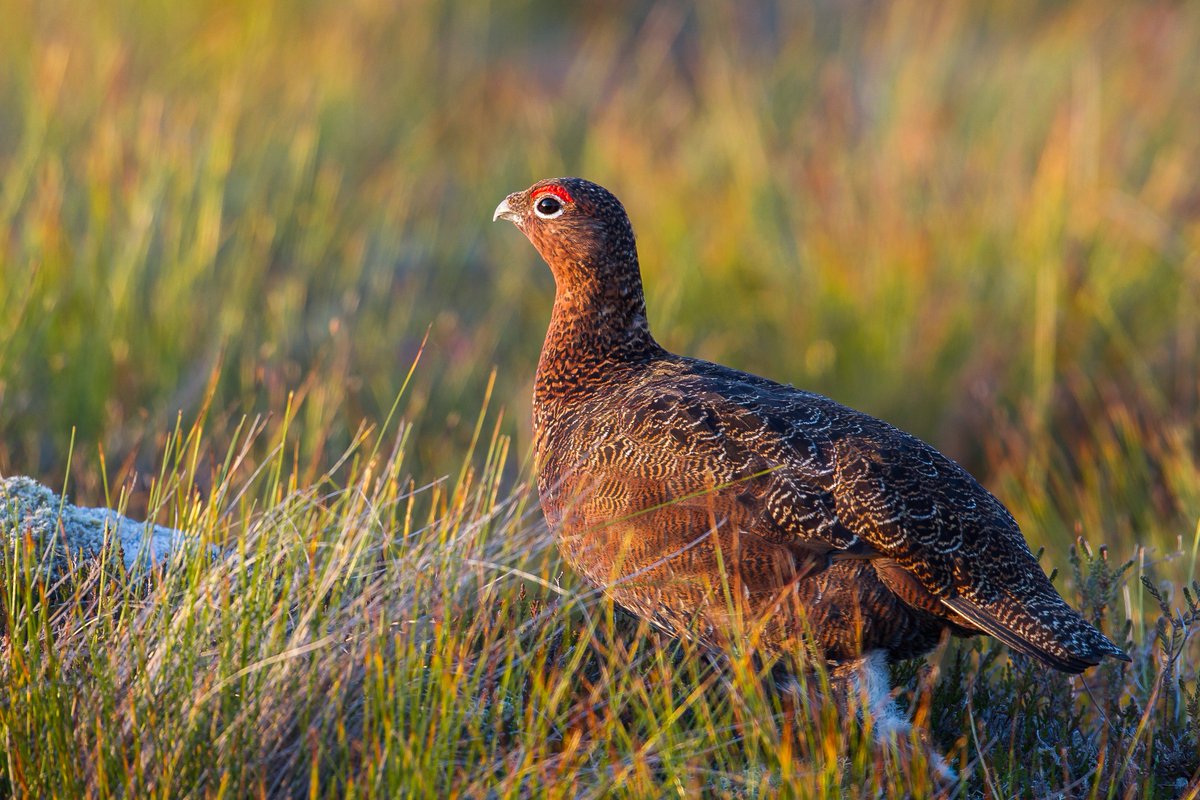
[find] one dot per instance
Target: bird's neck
(596, 327)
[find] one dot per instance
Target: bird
(721, 505)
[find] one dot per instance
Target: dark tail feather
(1057, 636)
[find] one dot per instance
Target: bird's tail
(1042, 626)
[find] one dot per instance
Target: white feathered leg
(868, 681)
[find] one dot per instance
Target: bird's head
(578, 227)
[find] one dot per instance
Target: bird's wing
(700, 450)
(805, 468)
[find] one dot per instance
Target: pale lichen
(62, 532)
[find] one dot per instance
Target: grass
(367, 636)
(226, 230)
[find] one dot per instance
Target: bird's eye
(548, 207)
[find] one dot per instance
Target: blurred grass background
(950, 215)
(980, 221)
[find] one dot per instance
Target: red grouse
(699, 496)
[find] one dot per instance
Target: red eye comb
(554, 189)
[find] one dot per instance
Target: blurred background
(980, 221)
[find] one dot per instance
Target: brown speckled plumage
(694, 492)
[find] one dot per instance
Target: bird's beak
(505, 211)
